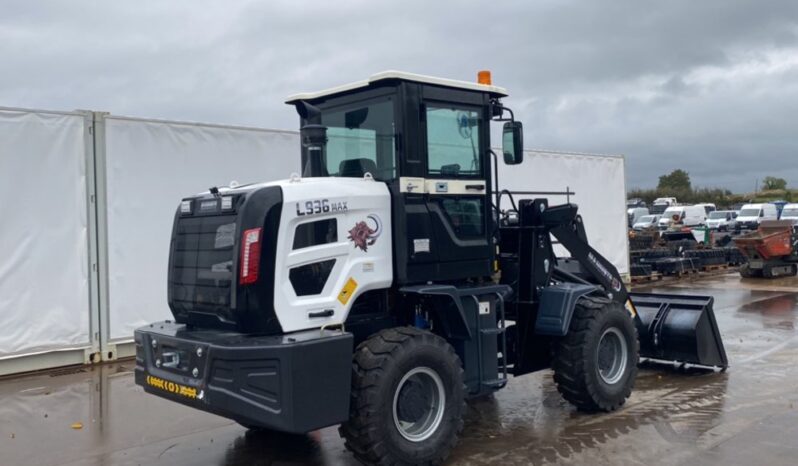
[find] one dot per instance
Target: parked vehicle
(635, 202)
(790, 212)
(683, 215)
(634, 214)
(751, 215)
(770, 250)
(661, 203)
(708, 207)
(779, 205)
(646, 221)
(722, 220)
(366, 292)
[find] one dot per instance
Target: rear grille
(201, 267)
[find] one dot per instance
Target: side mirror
(513, 142)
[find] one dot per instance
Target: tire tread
(361, 433)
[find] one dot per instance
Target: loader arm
(675, 329)
(566, 225)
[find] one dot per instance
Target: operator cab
(428, 139)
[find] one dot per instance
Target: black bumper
(292, 383)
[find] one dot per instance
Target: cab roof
(401, 76)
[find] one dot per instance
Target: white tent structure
(88, 201)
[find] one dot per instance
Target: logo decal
(320, 206)
(171, 387)
(362, 235)
(614, 283)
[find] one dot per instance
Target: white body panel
(366, 201)
(392, 74)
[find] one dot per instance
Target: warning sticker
(347, 291)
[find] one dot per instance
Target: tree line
(677, 184)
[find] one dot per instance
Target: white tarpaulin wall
(48, 302)
(150, 166)
(44, 279)
(599, 184)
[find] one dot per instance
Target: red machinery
(771, 250)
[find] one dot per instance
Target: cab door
(455, 189)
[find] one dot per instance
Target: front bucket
(680, 329)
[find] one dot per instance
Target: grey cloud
(621, 76)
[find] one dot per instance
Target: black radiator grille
(201, 267)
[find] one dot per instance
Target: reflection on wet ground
(744, 416)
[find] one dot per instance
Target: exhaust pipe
(679, 330)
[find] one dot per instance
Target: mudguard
(557, 303)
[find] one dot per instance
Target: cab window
(453, 142)
(360, 140)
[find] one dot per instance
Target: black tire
(381, 363)
(576, 356)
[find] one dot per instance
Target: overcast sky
(709, 86)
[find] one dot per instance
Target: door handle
(324, 313)
(477, 187)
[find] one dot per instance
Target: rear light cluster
(185, 207)
(208, 206)
(250, 256)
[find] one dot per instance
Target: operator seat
(357, 168)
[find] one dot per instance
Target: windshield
(790, 212)
(749, 213)
(360, 140)
(717, 214)
(647, 219)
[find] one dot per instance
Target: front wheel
(407, 400)
(595, 364)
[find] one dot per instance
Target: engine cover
(334, 243)
(323, 242)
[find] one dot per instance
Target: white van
(790, 212)
(683, 216)
(635, 213)
(751, 215)
(661, 203)
(646, 221)
(708, 206)
(722, 220)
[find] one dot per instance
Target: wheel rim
(611, 356)
(418, 404)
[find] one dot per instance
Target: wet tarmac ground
(748, 415)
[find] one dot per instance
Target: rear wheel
(595, 364)
(407, 399)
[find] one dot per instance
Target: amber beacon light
(483, 77)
